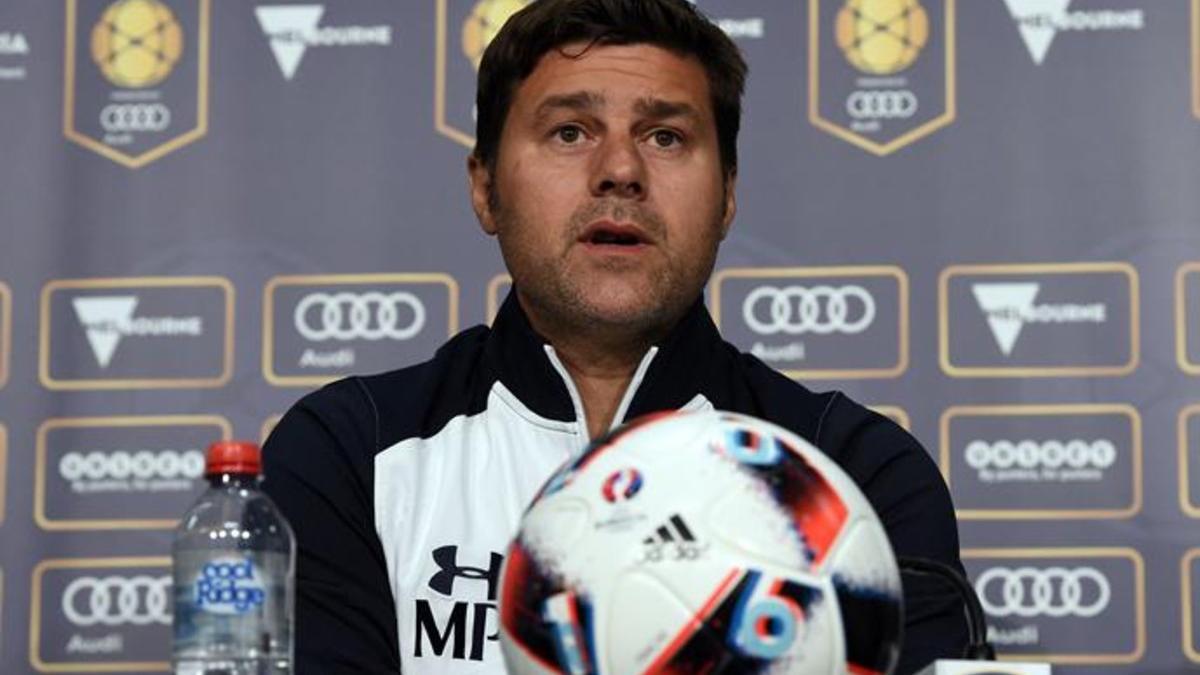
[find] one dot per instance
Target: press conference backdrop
(981, 217)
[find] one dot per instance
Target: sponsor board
(128, 333)
(497, 290)
(5, 331)
(895, 413)
(1190, 600)
(318, 328)
(267, 427)
(1031, 320)
(292, 30)
(3, 471)
(121, 473)
(1055, 462)
(817, 322)
(1187, 318)
(14, 50)
(881, 75)
(136, 77)
(1049, 604)
(1040, 21)
(100, 615)
(1188, 430)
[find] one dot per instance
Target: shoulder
(891, 467)
(369, 413)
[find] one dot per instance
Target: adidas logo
(673, 540)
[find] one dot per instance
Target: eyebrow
(584, 101)
(577, 101)
(657, 108)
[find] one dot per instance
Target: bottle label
(229, 586)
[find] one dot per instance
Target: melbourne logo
(817, 322)
(13, 50)
(462, 626)
(131, 333)
(107, 319)
(1039, 21)
(292, 29)
(1009, 306)
(881, 72)
(1039, 320)
(318, 328)
(137, 76)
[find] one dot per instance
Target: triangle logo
(1038, 22)
(102, 318)
(287, 28)
(1005, 306)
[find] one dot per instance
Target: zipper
(581, 425)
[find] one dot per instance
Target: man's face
(608, 195)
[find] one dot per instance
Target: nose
(619, 170)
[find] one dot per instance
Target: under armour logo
(446, 558)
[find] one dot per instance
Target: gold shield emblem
(881, 72)
(475, 23)
(136, 77)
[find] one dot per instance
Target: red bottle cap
(232, 457)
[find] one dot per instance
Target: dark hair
(544, 25)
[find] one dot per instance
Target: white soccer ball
(700, 542)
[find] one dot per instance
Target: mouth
(614, 236)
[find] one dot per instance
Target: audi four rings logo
(114, 601)
(1052, 454)
(796, 310)
(117, 117)
(120, 465)
(1052, 592)
(359, 316)
(876, 104)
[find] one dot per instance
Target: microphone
(978, 648)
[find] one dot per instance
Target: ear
(481, 189)
(730, 202)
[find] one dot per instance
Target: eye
(568, 133)
(665, 138)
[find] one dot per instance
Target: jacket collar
(693, 359)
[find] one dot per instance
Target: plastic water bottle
(234, 559)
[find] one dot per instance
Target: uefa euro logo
(136, 77)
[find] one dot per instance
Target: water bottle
(234, 563)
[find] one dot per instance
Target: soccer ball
(882, 37)
(136, 43)
(700, 542)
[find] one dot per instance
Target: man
(606, 167)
